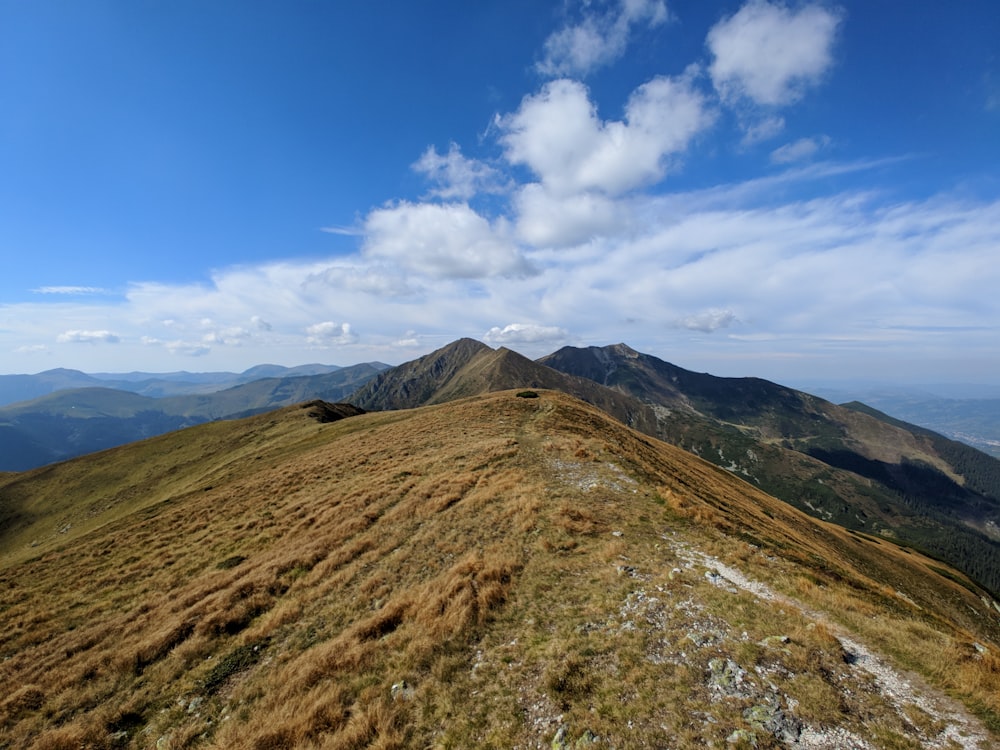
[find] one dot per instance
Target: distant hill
(975, 422)
(15, 388)
(501, 570)
(69, 423)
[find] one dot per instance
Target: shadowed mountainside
(496, 571)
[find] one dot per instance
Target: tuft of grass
(238, 659)
(230, 562)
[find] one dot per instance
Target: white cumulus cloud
(443, 240)
(769, 53)
(558, 135)
(544, 220)
(88, 337)
(598, 39)
(524, 333)
(329, 333)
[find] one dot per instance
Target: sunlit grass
(477, 574)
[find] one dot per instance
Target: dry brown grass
(272, 590)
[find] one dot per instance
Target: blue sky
(795, 190)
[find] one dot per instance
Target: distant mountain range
(15, 388)
(65, 423)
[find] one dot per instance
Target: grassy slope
(861, 470)
(475, 574)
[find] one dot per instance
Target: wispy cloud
(598, 39)
(70, 290)
(455, 177)
(800, 150)
(791, 276)
(345, 231)
(707, 321)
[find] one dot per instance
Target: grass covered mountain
(851, 465)
(69, 423)
(468, 367)
(846, 464)
(855, 469)
(495, 571)
(972, 421)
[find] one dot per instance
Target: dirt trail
(961, 729)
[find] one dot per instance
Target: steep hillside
(970, 414)
(497, 571)
(853, 466)
(70, 423)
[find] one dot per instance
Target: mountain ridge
(496, 570)
(835, 463)
(866, 473)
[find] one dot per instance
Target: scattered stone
(401, 691)
(771, 718)
(617, 533)
(728, 678)
(702, 638)
(561, 740)
(717, 580)
(194, 704)
(776, 642)
(742, 737)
